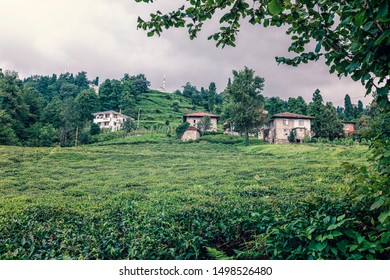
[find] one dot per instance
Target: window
(107, 116)
(115, 116)
(285, 122)
(285, 132)
(301, 122)
(194, 121)
(346, 127)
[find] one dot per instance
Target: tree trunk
(246, 143)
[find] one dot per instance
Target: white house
(283, 124)
(194, 118)
(110, 120)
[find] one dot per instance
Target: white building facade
(110, 120)
(194, 118)
(283, 124)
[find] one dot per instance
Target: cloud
(101, 37)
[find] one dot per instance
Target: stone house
(281, 125)
(110, 120)
(194, 118)
(191, 133)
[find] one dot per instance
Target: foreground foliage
(151, 197)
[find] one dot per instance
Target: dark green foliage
(7, 134)
(291, 137)
(95, 129)
(85, 138)
(244, 102)
(88, 104)
(204, 124)
(129, 126)
(348, 109)
(181, 129)
(275, 105)
(325, 123)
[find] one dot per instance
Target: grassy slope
(156, 108)
(149, 197)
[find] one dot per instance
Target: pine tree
(348, 108)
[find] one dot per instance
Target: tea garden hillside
(53, 110)
(140, 192)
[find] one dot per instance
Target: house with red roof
(194, 118)
(349, 128)
(283, 124)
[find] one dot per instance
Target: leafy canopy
(352, 36)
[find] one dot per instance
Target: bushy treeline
(208, 98)
(48, 110)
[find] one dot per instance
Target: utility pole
(139, 111)
(77, 135)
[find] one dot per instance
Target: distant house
(191, 133)
(349, 128)
(283, 124)
(110, 120)
(193, 119)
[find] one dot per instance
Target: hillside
(158, 107)
(151, 197)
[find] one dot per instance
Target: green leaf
(339, 218)
(318, 47)
(383, 10)
(275, 7)
(360, 18)
(382, 37)
(352, 67)
(383, 216)
(377, 204)
(368, 25)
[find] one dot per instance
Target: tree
(13, 103)
(95, 129)
(352, 36)
(7, 134)
(275, 105)
(291, 137)
(348, 108)
(88, 103)
(204, 124)
(212, 92)
(81, 81)
(359, 110)
(245, 103)
(325, 123)
(129, 126)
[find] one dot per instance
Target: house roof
(200, 114)
(192, 128)
(288, 115)
(348, 122)
(111, 112)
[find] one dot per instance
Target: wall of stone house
(279, 131)
(190, 135)
(282, 131)
(194, 120)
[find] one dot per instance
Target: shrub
(181, 129)
(95, 129)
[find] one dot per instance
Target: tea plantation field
(150, 197)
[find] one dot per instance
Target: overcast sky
(101, 38)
